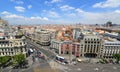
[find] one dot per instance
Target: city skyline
(60, 11)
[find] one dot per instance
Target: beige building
(12, 46)
(91, 46)
(42, 37)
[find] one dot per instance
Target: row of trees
(4, 60)
(117, 57)
(15, 60)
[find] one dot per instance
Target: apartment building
(91, 46)
(13, 46)
(42, 37)
(110, 48)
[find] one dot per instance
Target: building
(12, 46)
(4, 26)
(11, 43)
(70, 48)
(91, 46)
(110, 48)
(76, 33)
(56, 45)
(66, 48)
(42, 37)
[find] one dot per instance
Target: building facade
(91, 46)
(70, 48)
(56, 45)
(66, 48)
(110, 48)
(11, 47)
(76, 33)
(42, 37)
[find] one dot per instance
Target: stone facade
(11, 47)
(110, 48)
(91, 46)
(42, 37)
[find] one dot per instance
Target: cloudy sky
(60, 11)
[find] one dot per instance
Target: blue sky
(60, 11)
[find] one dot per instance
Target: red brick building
(70, 48)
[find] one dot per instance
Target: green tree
(19, 59)
(4, 60)
(117, 57)
(118, 32)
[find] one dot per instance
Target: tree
(19, 59)
(117, 57)
(118, 32)
(4, 60)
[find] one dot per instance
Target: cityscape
(60, 36)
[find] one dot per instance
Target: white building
(110, 48)
(56, 45)
(76, 33)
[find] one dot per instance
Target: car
(39, 55)
(63, 63)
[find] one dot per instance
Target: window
(11, 49)
(85, 49)
(12, 53)
(2, 50)
(3, 53)
(61, 52)
(20, 43)
(73, 52)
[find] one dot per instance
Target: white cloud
(92, 17)
(19, 19)
(5, 13)
(19, 8)
(29, 6)
(14, 16)
(52, 1)
(53, 14)
(55, 1)
(66, 8)
(117, 11)
(45, 18)
(17, 1)
(74, 17)
(100, 18)
(107, 4)
(10, 15)
(71, 15)
(79, 10)
(37, 17)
